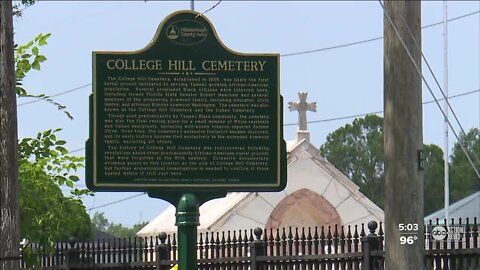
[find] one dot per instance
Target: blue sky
(343, 81)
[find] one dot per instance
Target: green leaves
(47, 215)
(357, 151)
(48, 153)
(35, 50)
(17, 11)
(463, 179)
(27, 58)
(101, 223)
(433, 178)
(42, 39)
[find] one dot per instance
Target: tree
(32, 172)
(433, 178)
(101, 223)
(27, 58)
(9, 216)
(357, 151)
(46, 214)
(17, 7)
(463, 178)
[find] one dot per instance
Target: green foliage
(101, 223)
(357, 150)
(48, 153)
(463, 179)
(46, 215)
(27, 58)
(433, 178)
(17, 8)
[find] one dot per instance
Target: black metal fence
(332, 248)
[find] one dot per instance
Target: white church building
(317, 194)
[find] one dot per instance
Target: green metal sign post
(187, 120)
(187, 221)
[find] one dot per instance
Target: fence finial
(72, 241)
(258, 232)
(73, 255)
(372, 226)
(163, 237)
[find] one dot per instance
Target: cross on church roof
(302, 106)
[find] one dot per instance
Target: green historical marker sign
(186, 112)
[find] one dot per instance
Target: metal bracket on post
(421, 160)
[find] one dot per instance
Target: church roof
(214, 213)
(210, 212)
(253, 208)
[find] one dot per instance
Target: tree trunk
(403, 136)
(9, 186)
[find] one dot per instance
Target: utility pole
(9, 186)
(404, 245)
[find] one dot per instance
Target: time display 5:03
(408, 227)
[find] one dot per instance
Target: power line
(339, 46)
(56, 95)
(372, 39)
(115, 202)
(437, 83)
(345, 117)
(285, 55)
(317, 121)
(425, 81)
(442, 92)
(332, 47)
(452, 19)
(377, 112)
(76, 150)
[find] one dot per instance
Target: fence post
(257, 248)
(161, 252)
(369, 243)
(73, 255)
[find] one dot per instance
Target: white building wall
(305, 171)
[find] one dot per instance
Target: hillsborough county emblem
(172, 32)
(186, 32)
